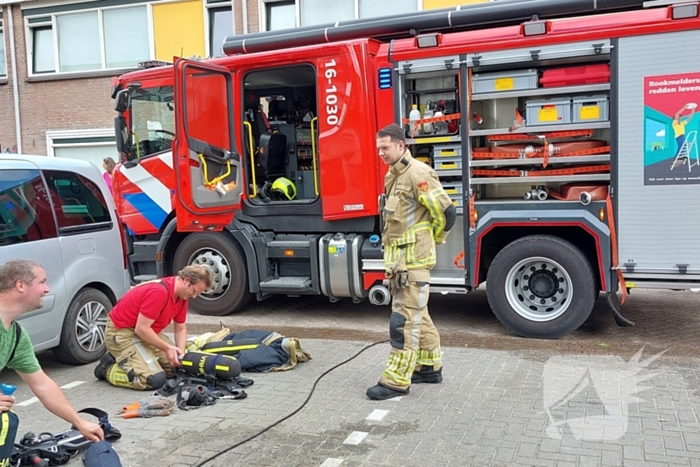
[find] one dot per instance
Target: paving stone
(668, 459)
(632, 453)
(653, 447)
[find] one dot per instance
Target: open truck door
(207, 166)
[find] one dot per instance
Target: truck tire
(83, 331)
(541, 286)
(230, 291)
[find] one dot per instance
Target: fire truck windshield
(152, 121)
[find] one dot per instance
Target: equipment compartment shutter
(428, 64)
(658, 225)
(550, 52)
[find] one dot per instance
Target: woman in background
(108, 164)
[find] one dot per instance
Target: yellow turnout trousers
(139, 365)
(415, 341)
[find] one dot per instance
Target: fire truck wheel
(229, 291)
(541, 286)
(83, 332)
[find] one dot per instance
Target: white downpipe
(15, 87)
(245, 16)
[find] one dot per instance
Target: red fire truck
(567, 140)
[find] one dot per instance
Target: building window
(220, 26)
(43, 60)
(126, 50)
(324, 12)
(373, 8)
(280, 15)
(90, 40)
(3, 63)
(283, 14)
(79, 42)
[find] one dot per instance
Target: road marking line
(332, 462)
(72, 385)
(377, 415)
(28, 402)
(355, 437)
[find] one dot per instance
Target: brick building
(57, 57)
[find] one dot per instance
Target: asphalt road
(664, 320)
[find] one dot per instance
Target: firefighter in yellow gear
(416, 215)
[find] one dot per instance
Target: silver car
(60, 213)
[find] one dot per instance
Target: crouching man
(139, 355)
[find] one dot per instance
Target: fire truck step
(145, 277)
(146, 243)
(289, 284)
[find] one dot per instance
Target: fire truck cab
(263, 165)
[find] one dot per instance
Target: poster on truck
(671, 126)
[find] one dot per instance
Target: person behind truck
(108, 164)
(139, 355)
(22, 289)
(678, 125)
(416, 215)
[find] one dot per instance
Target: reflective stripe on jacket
(413, 213)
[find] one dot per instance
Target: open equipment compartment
(536, 143)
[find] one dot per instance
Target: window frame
(33, 22)
(210, 5)
(265, 23)
(263, 4)
(53, 138)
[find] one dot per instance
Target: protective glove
(402, 279)
(440, 239)
(152, 406)
(398, 274)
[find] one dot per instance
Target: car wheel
(83, 332)
(229, 291)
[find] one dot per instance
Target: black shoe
(427, 375)
(106, 361)
(380, 392)
(168, 389)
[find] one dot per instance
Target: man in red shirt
(139, 355)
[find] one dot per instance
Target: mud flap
(616, 308)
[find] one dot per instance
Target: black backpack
(101, 454)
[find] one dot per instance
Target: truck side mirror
(121, 102)
(121, 133)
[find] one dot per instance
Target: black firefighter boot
(381, 392)
(426, 374)
(105, 363)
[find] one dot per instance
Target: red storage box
(589, 74)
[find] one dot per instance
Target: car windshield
(152, 121)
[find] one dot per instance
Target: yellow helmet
(284, 188)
